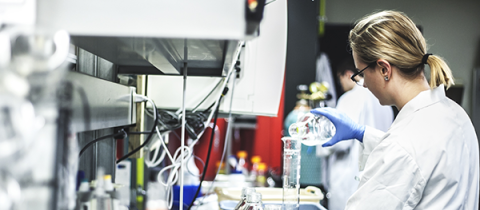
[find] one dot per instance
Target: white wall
(451, 28)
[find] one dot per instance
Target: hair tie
(425, 58)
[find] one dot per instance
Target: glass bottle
(312, 129)
(254, 201)
(243, 199)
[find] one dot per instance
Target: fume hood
(150, 36)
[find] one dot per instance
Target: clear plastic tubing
(312, 129)
(291, 172)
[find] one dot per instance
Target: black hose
(144, 143)
(115, 135)
(208, 153)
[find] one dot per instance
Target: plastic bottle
(261, 175)
(254, 202)
(312, 129)
(110, 190)
(107, 183)
(243, 199)
(255, 161)
(84, 196)
(222, 165)
(84, 186)
(242, 163)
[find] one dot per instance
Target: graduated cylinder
(291, 172)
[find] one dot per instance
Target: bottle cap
(108, 185)
(254, 197)
(241, 154)
(107, 177)
(84, 186)
(256, 159)
(262, 166)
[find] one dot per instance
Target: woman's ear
(385, 68)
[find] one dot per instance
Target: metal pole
(185, 67)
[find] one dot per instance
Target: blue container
(188, 193)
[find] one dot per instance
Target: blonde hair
(392, 36)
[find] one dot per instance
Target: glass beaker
(291, 172)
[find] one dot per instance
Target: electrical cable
(232, 68)
(227, 135)
(208, 154)
(137, 133)
(165, 148)
(148, 138)
(177, 161)
(208, 109)
(153, 161)
(201, 161)
(121, 132)
(173, 176)
(145, 132)
(176, 164)
(267, 3)
(204, 99)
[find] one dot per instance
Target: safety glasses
(360, 72)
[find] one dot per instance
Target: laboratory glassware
(312, 129)
(254, 201)
(243, 199)
(291, 172)
(273, 207)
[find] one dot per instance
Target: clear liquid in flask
(312, 129)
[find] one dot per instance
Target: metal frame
(109, 104)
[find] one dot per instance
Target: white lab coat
(428, 159)
(324, 74)
(362, 107)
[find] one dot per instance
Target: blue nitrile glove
(345, 127)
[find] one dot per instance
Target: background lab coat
(362, 106)
(428, 159)
(324, 74)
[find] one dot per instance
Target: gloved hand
(345, 127)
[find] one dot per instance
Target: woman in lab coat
(429, 157)
(362, 107)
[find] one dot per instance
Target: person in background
(362, 107)
(429, 157)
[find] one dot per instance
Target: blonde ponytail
(393, 36)
(440, 73)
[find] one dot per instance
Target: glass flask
(254, 201)
(243, 199)
(312, 129)
(291, 172)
